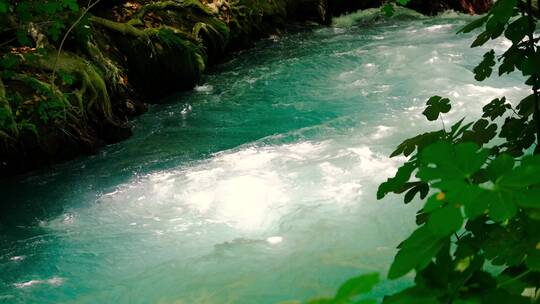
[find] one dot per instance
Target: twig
(84, 12)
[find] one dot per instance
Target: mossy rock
(253, 19)
(309, 10)
(162, 62)
(190, 17)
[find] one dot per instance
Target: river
(256, 187)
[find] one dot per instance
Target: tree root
(113, 73)
(7, 121)
(93, 87)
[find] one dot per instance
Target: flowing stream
(258, 186)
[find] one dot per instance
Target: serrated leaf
(435, 106)
(420, 188)
(482, 132)
(415, 252)
(395, 183)
(485, 68)
(496, 108)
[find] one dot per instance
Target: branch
(123, 28)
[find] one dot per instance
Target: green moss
(7, 120)
(90, 93)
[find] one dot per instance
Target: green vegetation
(73, 72)
(478, 235)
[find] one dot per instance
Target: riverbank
(124, 55)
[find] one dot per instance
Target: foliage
(388, 7)
(352, 290)
(29, 27)
(478, 235)
(50, 16)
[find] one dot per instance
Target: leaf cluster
(482, 199)
(478, 234)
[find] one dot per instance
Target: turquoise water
(258, 186)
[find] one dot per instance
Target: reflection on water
(257, 187)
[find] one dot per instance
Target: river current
(256, 187)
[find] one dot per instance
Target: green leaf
(530, 65)
(434, 202)
(502, 206)
(511, 285)
(512, 59)
(481, 39)
(517, 30)
(526, 105)
(421, 188)
(447, 164)
(416, 252)
(418, 142)
(22, 37)
(494, 28)
(472, 197)
(481, 133)
(356, 286)
(71, 4)
(388, 9)
(473, 25)
(403, 2)
(502, 10)
(445, 221)
(533, 260)
(501, 165)
(435, 106)
(524, 175)
(485, 68)
(496, 108)
(397, 182)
